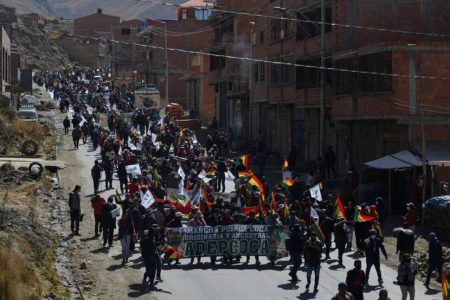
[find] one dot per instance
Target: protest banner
(228, 240)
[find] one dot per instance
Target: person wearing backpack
(407, 272)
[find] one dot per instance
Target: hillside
(126, 9)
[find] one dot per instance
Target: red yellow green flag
(254, 181)
(247, 173)
(245, 160)
(207, 200)
(339, 210)
(285, 165)
(316, 228)
(171, 253)
(445, 287)
(288, 182)
(360, 217)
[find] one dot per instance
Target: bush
(438, 221)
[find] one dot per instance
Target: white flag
(182, 194)
(229, 176)
(181, 173)
(194, 139)
(314, 214)
(134, 170)
(138, 146)
(197, 197)
(147, 199)
(120, 151)
(315, 192)
(132, 147)
(203, 177)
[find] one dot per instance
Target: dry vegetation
(27, 248)
(13, 132)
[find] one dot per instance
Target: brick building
(367, 115)
(232, 34)
(96, 25)
(189, 77)
(7, 14)
(128, 61)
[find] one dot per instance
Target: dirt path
(104, 277)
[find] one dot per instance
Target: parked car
(28, 114)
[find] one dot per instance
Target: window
(307, 30)
(259, 72)
(261, 38)
(278, 30)
(223, 26)
(357, 83)
(253, 39)
(230, 86)
(202, 14)
(182, 14)
(125, 31)
(217, 62)
(278, 75)
(308, 77)
(275, 28)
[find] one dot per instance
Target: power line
(257, 60)
(311, 22)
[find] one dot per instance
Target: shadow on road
(289, 286)
(432, 292)
(138, 290)
(306, 295)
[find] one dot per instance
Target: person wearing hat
(356, 279)
(340, 237)
(372, 251)
(405, 241)
(407, 272)
(435, 257)
(313, 253)
(342, 293)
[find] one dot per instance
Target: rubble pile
(11, 176)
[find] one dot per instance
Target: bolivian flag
(445, 287)
(288, 182)
(360, 217)
(208, 201)
(285, 165)
(339, 210)
(245, 160)
(247, 173)
(316, 228)
(171, 253)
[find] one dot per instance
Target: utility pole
(166, 62)
(422, 129)
(322, 145)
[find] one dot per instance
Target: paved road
(113, 281)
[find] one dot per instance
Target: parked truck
(146, 96)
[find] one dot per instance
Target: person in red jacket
(96, 203)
